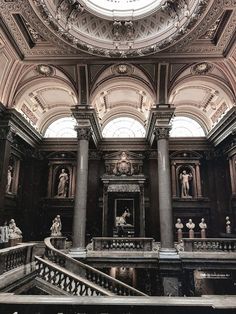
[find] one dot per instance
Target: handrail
(94, 275)
(66, 280)
(16, 256)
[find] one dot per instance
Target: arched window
(186, 127)
(124, 127)
(63, 127)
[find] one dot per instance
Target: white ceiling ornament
(121, 28)
(121, 9)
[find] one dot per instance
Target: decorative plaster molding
(97, 36)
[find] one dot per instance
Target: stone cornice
(21, 127)
(85, 113)
(159, 117)
(224, 128)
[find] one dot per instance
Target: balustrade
(13, 257)
(123, 244)
(209, 245)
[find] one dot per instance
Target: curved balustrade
(66, 280)
(77, 267)
(208, 245)
(16, 256)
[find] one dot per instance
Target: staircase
(75, 277)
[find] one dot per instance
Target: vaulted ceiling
(43, 43)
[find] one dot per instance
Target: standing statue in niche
(63, 184)
(185, 178)
(56, 226)
(9, 179)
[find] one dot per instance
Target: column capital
(162, 132)
(83, 132)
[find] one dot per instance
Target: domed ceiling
(121, 28)
(121, 9)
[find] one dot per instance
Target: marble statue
(63, 184)
(14, 231)
(9, 179)
(56, 227)
(185, 178)
(122, 219)
(203, 227)
(228, 225)
(179, 226)
(4, 234)
(121, 222)
(190, 225)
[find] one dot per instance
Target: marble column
(164, 181)
(79, 219)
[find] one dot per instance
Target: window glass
(186, 127)
(124, 127)
(63, 127)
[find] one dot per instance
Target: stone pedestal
(203, 233)
(191, 234)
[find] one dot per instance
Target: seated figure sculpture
(14, 231)
(56, 227)
(121, 222)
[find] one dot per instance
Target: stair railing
(90, 273)
(66, 280)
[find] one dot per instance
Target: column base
(168, 253)
(78, 252)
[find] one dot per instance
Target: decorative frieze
(124, 164)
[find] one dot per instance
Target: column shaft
(199, 189)
(165, 199)
(142, 211)
(79, 219)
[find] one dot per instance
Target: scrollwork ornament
(83, 133)
(162, 132)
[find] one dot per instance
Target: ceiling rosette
(121, 28)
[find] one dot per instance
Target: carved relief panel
(123, 164)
